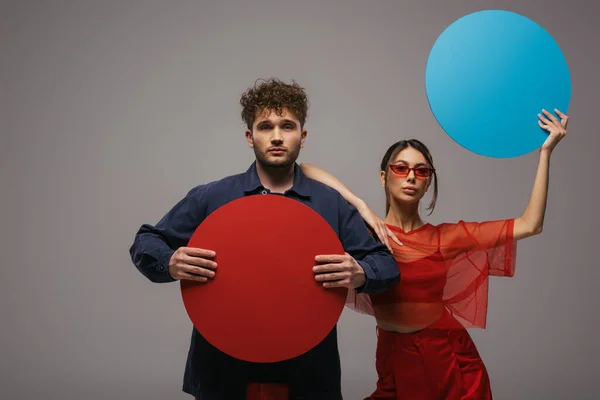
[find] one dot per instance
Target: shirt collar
(301, 182)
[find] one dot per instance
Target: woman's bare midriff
(408, 317)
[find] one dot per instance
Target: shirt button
(264, 192)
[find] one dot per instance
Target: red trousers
(266, 391)
(431, 364)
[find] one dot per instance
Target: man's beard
(280, 162)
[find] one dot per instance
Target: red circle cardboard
(264, 304)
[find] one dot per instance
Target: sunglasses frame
(414, 169)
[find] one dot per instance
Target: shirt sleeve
(381, 270)
(473, 251)
(154, 245)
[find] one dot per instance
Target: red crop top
(444, 266)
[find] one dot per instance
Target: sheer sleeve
(473, 251)
(492, 240)
(360, 302)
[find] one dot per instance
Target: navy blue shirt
(213, 375)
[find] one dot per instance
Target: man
(275, 115)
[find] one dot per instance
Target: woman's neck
(406, 218)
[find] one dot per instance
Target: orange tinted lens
(399, 169)
(423, 172)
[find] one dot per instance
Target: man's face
(276, 139)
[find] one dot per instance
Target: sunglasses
(403, 171)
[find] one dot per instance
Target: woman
(423, 349)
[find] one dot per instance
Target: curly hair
(274, 95)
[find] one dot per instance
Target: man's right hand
(192, 264)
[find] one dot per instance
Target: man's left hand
(339, 271)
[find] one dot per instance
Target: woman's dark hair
(391, 153)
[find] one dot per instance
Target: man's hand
(339, 271)
(192, 264)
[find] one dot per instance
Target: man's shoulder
(217, 186)
(322, 191)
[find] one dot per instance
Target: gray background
(111, 111)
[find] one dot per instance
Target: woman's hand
(556, 128)
(378, 226)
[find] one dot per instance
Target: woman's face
(405, 177)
